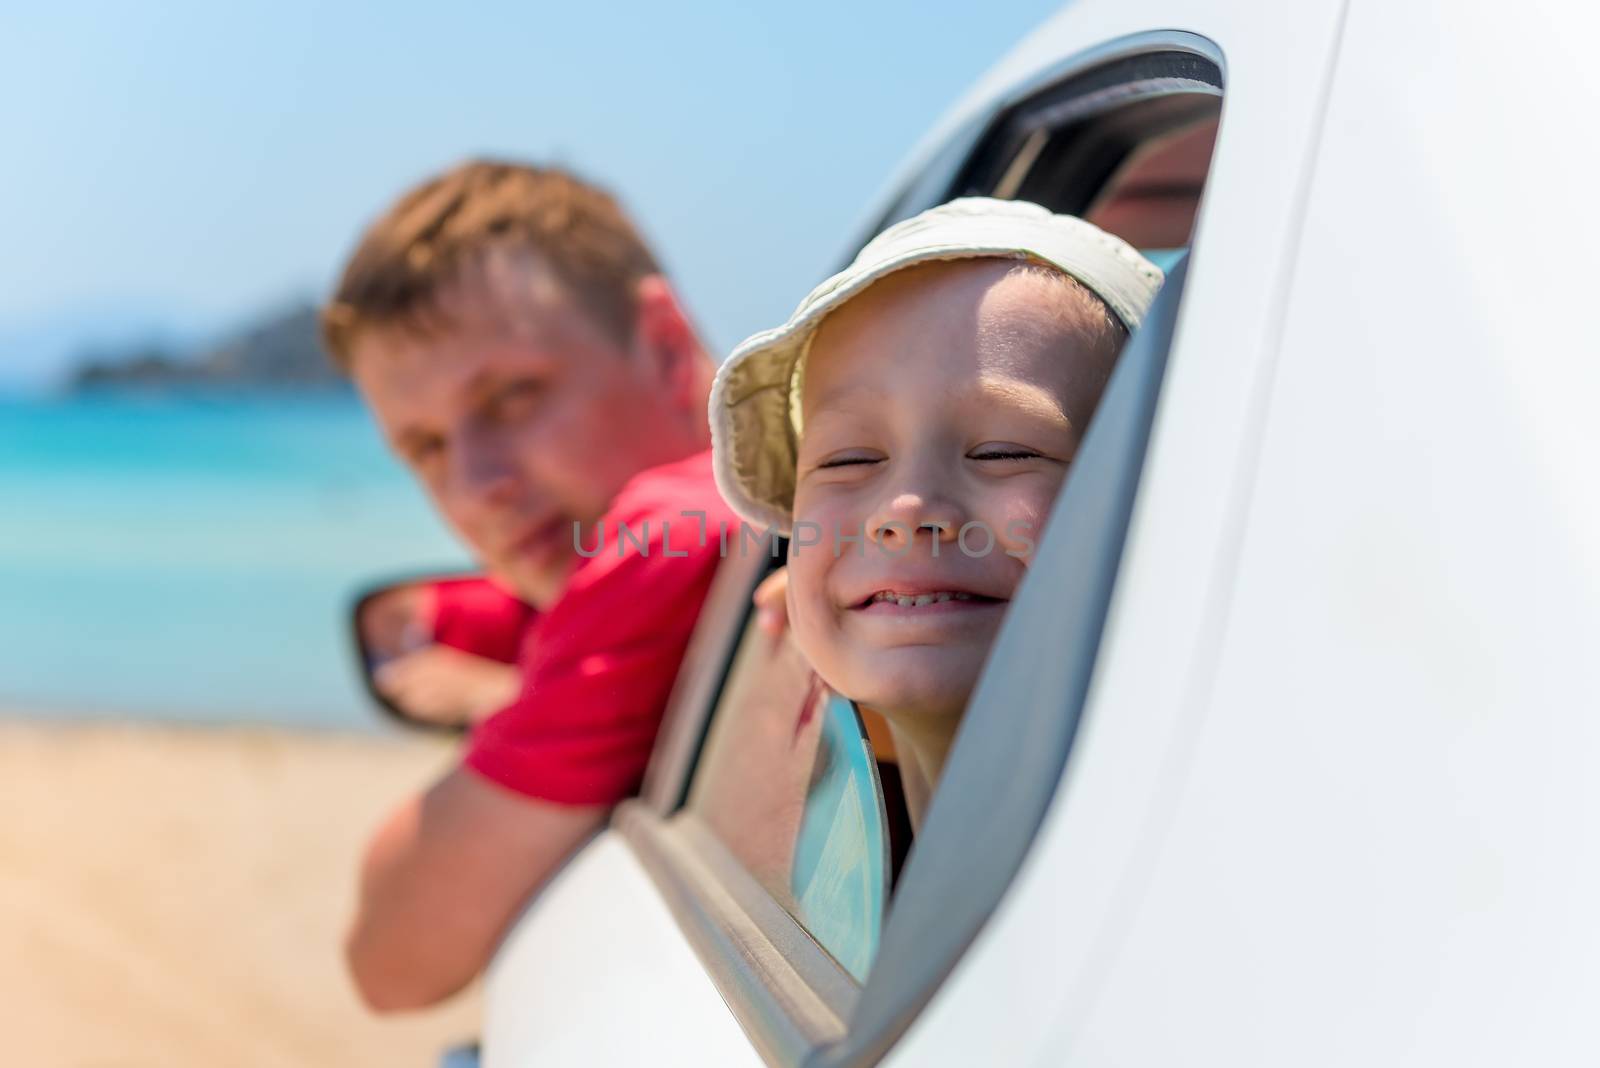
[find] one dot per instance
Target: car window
(1151, 199)
(789, 782)
(782, 860)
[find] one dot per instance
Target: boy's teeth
(920, 600)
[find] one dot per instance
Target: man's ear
(664, 336)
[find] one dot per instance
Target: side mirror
(439, 652)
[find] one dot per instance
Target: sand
(175, 896)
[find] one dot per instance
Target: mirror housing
(439, 652)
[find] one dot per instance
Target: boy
(909, 427)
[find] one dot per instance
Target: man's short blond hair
(412, 255)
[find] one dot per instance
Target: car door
(757, 903)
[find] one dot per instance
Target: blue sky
(191, 169)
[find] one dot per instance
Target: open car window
(780, 863)
(790, 783)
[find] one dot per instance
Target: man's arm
(443, 878)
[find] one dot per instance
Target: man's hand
(392, 622)
(444, 685)
(443, 879)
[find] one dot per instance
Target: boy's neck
(922, 743)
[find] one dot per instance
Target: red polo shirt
(598, 666)
(478, 616)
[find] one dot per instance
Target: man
(529, 363)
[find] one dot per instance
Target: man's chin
(540, 587)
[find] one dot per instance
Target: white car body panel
(598, 973)
(1183, 526)
(1341, 810)
(1333, 799)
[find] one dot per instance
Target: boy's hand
(772, 605)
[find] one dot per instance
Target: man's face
(946, 396)
(520, 415)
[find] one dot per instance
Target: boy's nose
(908, 514)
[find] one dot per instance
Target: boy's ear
(663, 335)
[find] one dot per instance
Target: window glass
(789, 781)
(840, 876)
(1151, 199)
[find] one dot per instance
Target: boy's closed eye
(857, 461)
(850, 460)
(1003, 452)
(845, 464)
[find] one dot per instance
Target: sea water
(195, 558)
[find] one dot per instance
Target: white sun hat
(755, 399)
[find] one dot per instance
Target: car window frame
(703, 672)
(797, 1005)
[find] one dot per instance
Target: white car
(1289, 753)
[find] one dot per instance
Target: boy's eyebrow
(845, 394)
(1034, 399)
(843, 402)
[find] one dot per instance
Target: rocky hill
(282, 352)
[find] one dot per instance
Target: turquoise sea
(193, 559)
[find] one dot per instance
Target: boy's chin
(921, 683)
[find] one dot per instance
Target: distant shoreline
(284, 352)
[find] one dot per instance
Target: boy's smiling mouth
(899, 600)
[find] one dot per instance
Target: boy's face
(520, 417)
(947, 395)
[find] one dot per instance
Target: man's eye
(420, 452)
(514, 395)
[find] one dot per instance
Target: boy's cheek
(816, 633)
(805, 590)
(1020, 526)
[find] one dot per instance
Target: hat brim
(754, 407)
(753, 429)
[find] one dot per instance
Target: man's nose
(482, 473)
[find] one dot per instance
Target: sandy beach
(174, 897)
